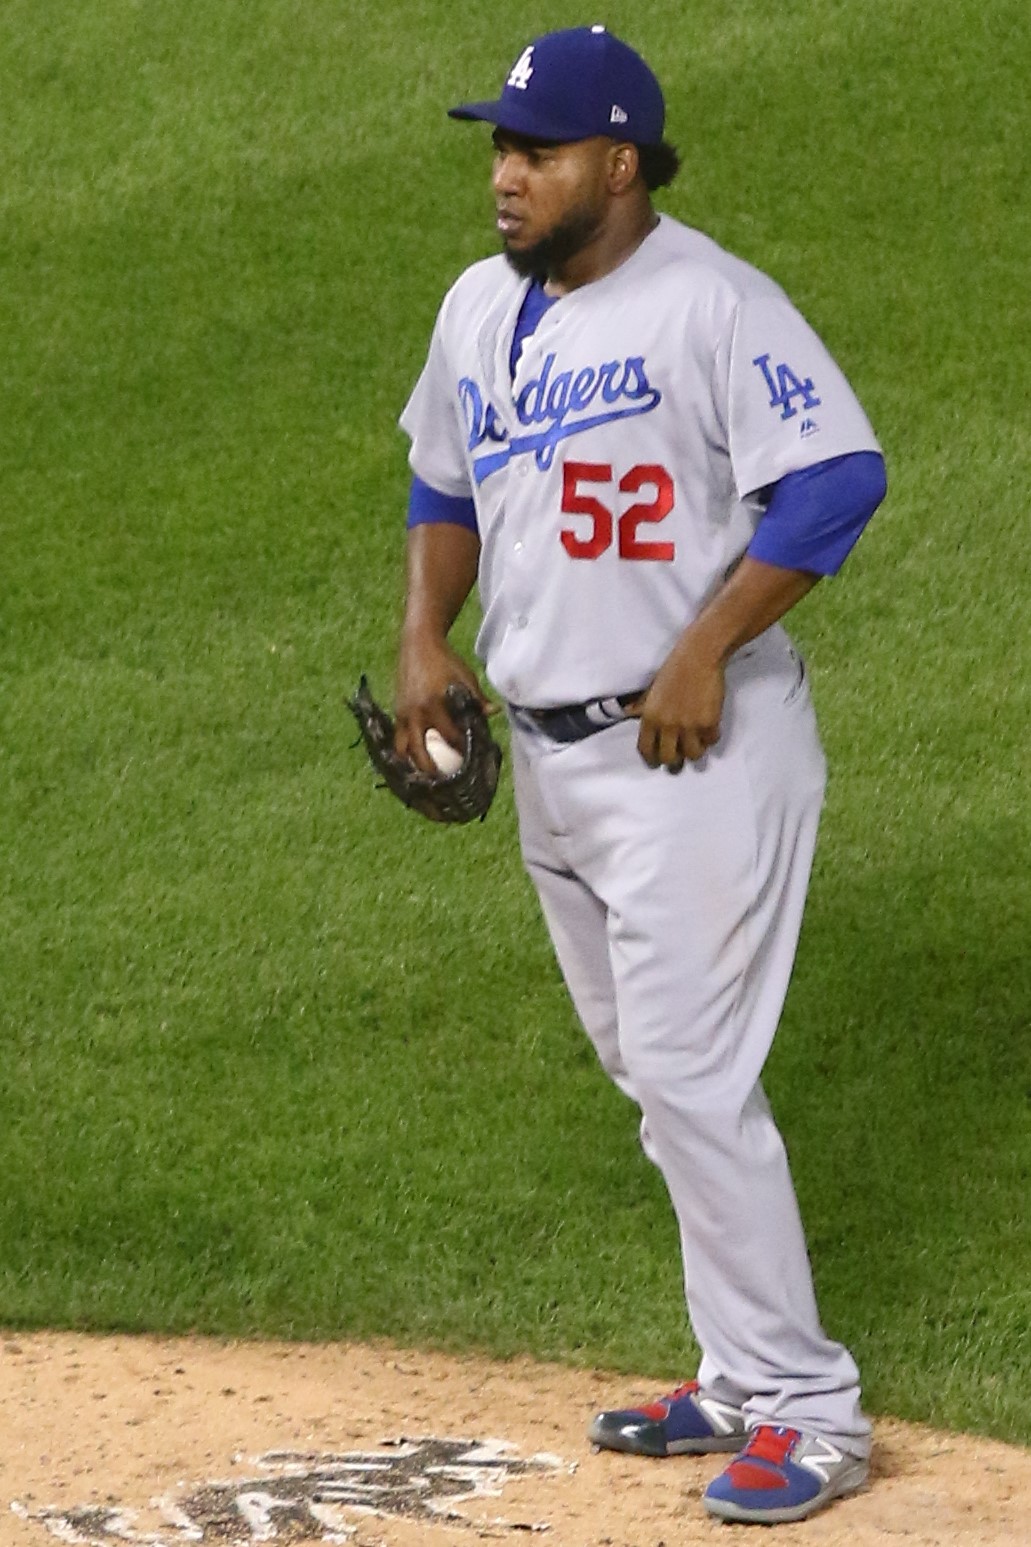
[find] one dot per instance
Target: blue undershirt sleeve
(426, 505)
(815, 516)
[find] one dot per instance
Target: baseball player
(644, 456)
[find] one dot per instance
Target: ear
(624, 166)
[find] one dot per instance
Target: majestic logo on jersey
(551, 408)
(522, 70)
(785, 385)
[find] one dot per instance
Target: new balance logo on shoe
(723, 1418)
(821, 1458)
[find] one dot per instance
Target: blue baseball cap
(575, 84)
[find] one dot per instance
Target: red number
(630, 545)
(577, 504)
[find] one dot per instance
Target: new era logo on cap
(575, 84)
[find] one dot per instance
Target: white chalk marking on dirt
(312, 1492)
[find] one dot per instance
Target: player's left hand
(680, 713)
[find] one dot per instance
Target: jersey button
(521, 621)
(517, 547)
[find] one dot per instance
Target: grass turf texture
(278, 1058)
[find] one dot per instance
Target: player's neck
(617, 241)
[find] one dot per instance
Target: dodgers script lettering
(553, 407)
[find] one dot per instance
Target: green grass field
(277, 1057)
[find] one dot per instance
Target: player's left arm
(681, 712)
(812, 521)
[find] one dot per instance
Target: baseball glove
(462, 796)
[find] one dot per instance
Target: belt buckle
(603, 711)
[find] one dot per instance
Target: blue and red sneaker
(686, 1422)
(783, 1475)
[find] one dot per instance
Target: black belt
(572, 722)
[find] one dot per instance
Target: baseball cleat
(687, 1422)
(783, 1475)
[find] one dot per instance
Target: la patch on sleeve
(785, 385)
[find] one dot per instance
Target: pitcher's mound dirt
(117, 1423)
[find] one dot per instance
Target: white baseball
(444, 755)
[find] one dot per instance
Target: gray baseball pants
(674, 903)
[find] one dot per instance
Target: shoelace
(661, 1405)
(770, 1444)
(688, 1389)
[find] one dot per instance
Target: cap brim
(518, 119)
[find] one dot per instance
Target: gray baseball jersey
(616, 477)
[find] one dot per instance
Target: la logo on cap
(572, 85)
(522, 70)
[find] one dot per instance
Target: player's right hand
(426, 668)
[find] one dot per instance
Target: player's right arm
(442, 559)
(443, 542)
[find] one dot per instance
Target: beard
(548, 256)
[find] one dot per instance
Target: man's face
(551, 199)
